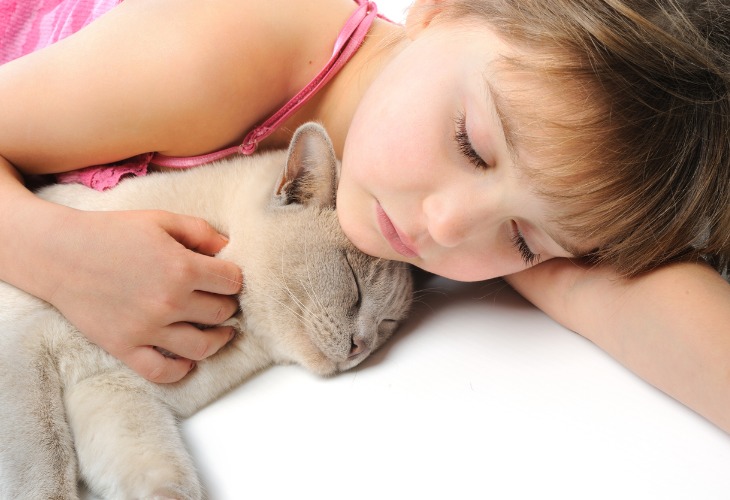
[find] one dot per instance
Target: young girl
(481, 139)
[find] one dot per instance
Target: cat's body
(309, 297)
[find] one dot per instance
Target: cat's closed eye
(387, 327)
(356, 285)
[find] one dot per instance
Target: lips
(397, 240)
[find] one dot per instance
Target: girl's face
(430, 173)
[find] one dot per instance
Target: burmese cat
(68, 409)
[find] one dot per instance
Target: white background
(479, 396)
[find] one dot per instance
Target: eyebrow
(575, 250)
(566, 245)
(508, 127)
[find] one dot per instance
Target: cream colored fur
(69, 410)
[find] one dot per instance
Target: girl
(481, 139)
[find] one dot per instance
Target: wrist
(31, 229)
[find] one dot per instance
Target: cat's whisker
(291, 294)
(310, 291)
(305, 315)
(422, 296)
(225, 278)
(311, 298)
(298, 314)
(494, 287)
(425, 292)
(275, 283)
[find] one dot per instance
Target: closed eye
(358, 294)
(465, 146)
(387, 327)
(518, 241)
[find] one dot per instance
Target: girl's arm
(127, 280)
(148, 76)
(670, 326)
(179, 77)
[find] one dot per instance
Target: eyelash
(528, 256)
(465, 146)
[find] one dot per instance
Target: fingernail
(232, 335)
(192, 365)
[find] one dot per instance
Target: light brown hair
(637, 155)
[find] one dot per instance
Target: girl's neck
(340, 98)
(335, 104)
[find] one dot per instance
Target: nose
(449, 219)
(360, 347)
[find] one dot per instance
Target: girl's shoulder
(236, 61)
(182, 77)
(242, 59)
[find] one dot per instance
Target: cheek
(386, 131)
(372, 162)
(353, 214)
(390, 157)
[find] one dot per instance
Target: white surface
(479, 396)
(394, 10)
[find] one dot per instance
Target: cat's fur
(67, 408)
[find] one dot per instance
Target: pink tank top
(27, 25)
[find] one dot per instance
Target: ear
(420, 15)
(311, 172)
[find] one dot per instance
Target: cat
(70, 411)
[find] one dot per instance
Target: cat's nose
(359, 347)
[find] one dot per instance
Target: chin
(375, 250)
(362, 239)
(457, 274)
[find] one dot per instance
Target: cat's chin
(351, 363)
(320, 364)
(325, 366)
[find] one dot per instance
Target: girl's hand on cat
(143, 279)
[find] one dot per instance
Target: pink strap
(348, 41)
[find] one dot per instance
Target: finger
(217, 276)
(194, 233)
(208, 309)
(186, 341)
(155, 367)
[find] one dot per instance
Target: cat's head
(317, 299)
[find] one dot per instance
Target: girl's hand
(134, 280)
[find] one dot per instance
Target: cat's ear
(311, 172)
